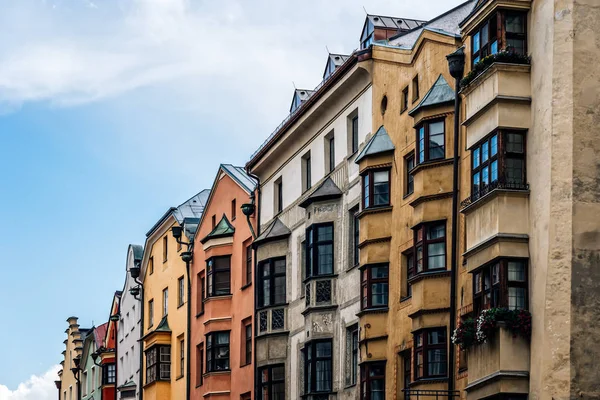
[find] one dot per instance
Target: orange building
(223, 298)
(107, 353)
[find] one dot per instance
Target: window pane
(381, 193)
(494, 172)
(421, 144)
(436, 146)
(419, 259)
(516, 271)
(485, 178)
(495, 274)
(476, 159)
(476, 183)
(514, 143)
(266, 292)
(494, 47)
(476, 43)
(436, 232)
(514, 171)
(379, 272)
(366, 190)
(516, 298)
(325, 233)
(279, 267)
(484, 152)
(379, 294)
(494, 145)
(484, 34)
(516, 45)
(325, 254)
(436, 362)
(436, 256)
(278, 373)
(515, 23)
(279, 290)
(475, 60)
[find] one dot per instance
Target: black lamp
(135, 270)
(177, 232)
(76, 361)
(134, 291)
(248, 209)
(94, 356)
(456, 63)
(186, 256)
(115, 317)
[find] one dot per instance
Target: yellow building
(165, 284)
(67, 384)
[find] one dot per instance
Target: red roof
(100, 334)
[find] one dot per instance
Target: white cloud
(35, 388)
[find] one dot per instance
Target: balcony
(499, 97)
(272, 320)
(501, 365)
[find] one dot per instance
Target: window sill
(372, 310)
(317, 308)
(349, 386)
(352, 267)
(200, 314)
(199, 385)
(424, 381)
(246, 286)
(374, 210)
(180, 305)
(469, 205)
(179, 377)
(219, 297)
(245, 365)
(403, 299)
(431, 164)
(213, 373)
(441, 273)
(272, 306)
(319, 277)
(407, 195)
(155, 382)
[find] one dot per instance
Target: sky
(111, 111)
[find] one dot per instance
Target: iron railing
(487, 189)
(417, 394)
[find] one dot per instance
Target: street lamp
(248, 209)
(76, 370)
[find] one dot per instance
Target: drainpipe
(456, 65)
(141, 373)
(187, 257)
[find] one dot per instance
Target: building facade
(165, 296)
(70, 373)
(128, 330)
(222, 286)
(91, 375)
(106, 355)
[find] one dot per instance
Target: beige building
(70, 373)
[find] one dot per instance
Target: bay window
(498, 161)
(319, 250)
(502, 283)
(158, 363)
(318, 366)
(375, 286)
(430, 353)
(217, 351)
(271, 282)
(219, 276)
(272, 382)
(376, 188)
(372, 381)
(430, 247)
(109, 374)
(504, 30)
(431, 143)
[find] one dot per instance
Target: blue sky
(112, 111)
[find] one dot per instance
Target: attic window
(384, 102)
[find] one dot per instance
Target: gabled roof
(382, 21)
(445, 24)
(378, 144)
(440, 93)
(333, 61)
(239, 175)
(326, 191)
(478, 4)
(222, 229)
(138, 251)
(100, 334)
(300, 96)
(163, 325)
(277, 230)
(127, 385)
(191, 208)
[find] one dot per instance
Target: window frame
(366, 380)
(425, 125)
(404, 97)
(109, 371)
(249, 265)
(180, 291)
(415, 88)
(367, 282)
(311, 363)
(501, 36)
(368, 196)
(331, 144)
(409, 177)
(211, 274)
(312, 250)
(157, 363)
(354, 133)
(498, 293)
(233, 209)
(278, 195)
(181, 357)
(306, 172)
(165, 248)
(424, 348)
(247, 359)
(165, 301)
(270, 382)
(212, 351)
(352, 341)
(271, 278)
(200, 360)
(150, 313)
(424, 243)
(355, 237)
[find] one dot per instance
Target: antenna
(294, 85)
(365, 10)
(327, 48)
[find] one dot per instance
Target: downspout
(189, 324)
(141, 373)
(456, 64)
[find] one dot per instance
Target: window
(200, 358)
(165, 248)
(158, 363)
(319, 250)
(272, 382)
(150, 312)
(430, 141)
(504, 30)
(233, 209)
(306, 172)
(498, 161)
(151, 265)
(247, 355)
(409, 163)
(430, 247)
(376, 188)
(375, 286)
(355, 238)
(318, 366)
(430, 353)
(330, 151)
(372, 381)
(404, 104)
(217, 351)
(219, 276)
(200, 294)
(181, 357)
(93, 383)
(272, 287)
(278, 195)
(406, 372)
(410, 272)
(214, 221)
(415, 88)
(180, 291)
(84, 383)
(165, 298)
(351, 355)
(354, 134)
(248, 276)
(501, 284)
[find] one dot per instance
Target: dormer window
(504, 30)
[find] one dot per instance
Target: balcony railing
(416, 394)
(271, 320)
(487, 189)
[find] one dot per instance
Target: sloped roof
(193, 207)
(440, 93)
(277, 230)
(382, 21)
(336, 60)
(478, 4)
(138, 251)
(302, 95)
(127, 385)
(100, 334)
(445, 24)
(326, 191)
(379, 143)
(239, 175)
(222, 229)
